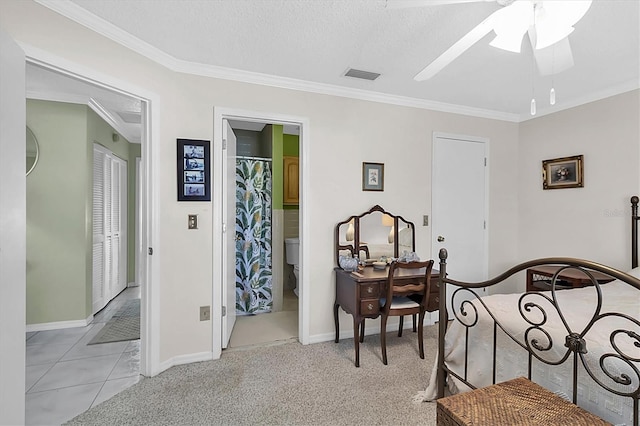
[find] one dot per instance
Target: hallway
(65, 376)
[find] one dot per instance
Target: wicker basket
(515, 402)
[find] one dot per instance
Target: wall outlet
(425, 220)
(205, 313)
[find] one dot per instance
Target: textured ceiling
(318, 40)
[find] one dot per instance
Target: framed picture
(565, 172)
(194, 175)
(372, 177)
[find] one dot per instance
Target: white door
(459, 206)
(109, 226)
(229, 233)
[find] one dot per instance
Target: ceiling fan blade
(402, 4)
(458, 48)
(553, 59)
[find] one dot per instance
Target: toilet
(292, 248)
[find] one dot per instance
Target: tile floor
(65, 376)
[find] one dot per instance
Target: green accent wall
(291, 145)
(60, 209)
(57, 215)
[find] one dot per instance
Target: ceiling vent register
(364, 75)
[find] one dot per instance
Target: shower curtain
(253, 236)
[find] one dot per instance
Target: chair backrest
(419, 284)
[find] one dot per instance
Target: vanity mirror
(33, 151)
(377, 233)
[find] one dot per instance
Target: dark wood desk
(539, 278)
(358, 293)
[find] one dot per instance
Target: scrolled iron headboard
(572, 343)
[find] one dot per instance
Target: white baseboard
(368, 331)
(59, 325)
(185, 359)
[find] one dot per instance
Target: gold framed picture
(565, 172)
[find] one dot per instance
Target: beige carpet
(285, 384)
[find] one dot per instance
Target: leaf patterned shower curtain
(253, 236)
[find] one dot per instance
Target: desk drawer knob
(369, 290)
(370, 306)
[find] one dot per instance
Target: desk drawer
(369, 307)
(370, 291)
(434, 302)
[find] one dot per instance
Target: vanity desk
(358, 292)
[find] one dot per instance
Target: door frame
(486, 144)
(150, 137)
(223, 113)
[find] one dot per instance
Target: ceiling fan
(548, 23)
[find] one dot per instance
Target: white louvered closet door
(109, 226)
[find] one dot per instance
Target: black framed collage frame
(194, 176)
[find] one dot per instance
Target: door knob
(440, 238)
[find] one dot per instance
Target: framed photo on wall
(565, 172)
(194, 173)
(372, 176)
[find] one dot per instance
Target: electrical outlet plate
(205, 313)
(193, 221)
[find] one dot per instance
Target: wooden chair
(396, 301)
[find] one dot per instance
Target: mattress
(577, 307)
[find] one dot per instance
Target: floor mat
(124, 325)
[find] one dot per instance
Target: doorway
(224, 283)
(71, 88)
(460, 206)
(265, 302)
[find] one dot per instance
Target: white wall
(345, 133)
(591, 222)
(12, 232)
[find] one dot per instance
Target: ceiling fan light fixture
(507, 42)
(548, 35)
(554, 20)
(510, 25)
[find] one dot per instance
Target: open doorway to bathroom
(267, 224)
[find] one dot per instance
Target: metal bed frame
(537, 341)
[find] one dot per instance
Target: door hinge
(485, 225)
(224, 311)
(224, 228)
(150, 251)
(224, 144)
(485, 161)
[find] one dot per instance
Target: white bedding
(578, 306)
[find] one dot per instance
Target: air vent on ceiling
(364, 75)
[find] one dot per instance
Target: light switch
(193, 221)
(425, 220)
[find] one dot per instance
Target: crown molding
(85, 18)
(115, 122)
